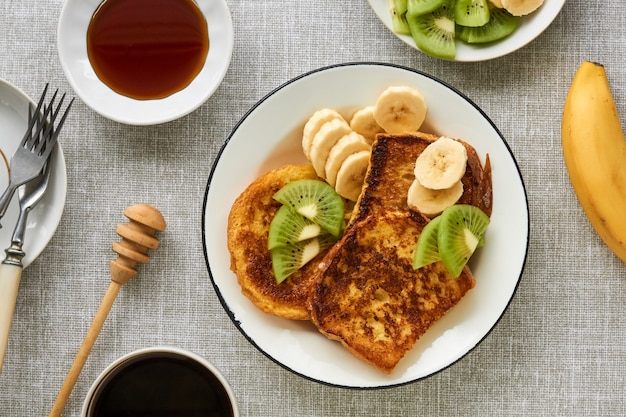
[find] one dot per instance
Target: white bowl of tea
(145, 62)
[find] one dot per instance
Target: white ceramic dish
(72, 46)
(171, 354)
(45, 217)
(529, 28)
(268, 136)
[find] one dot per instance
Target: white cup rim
(160, 349)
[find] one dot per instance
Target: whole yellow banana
(595, 154)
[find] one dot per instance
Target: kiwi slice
(501, 24)
(398, 10)
(427, 250)
(315, 200)
(434, 32)
(471, 13)
(420, 7)
(461, 230)
(288, 259)
(288, 227)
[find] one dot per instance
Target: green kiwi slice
(434, 32)
(427, 250)
(420, 7)
(288, 259)
(471, 13)
(461, 230)
(288, 227)
(501, 24)
(398, 10)
(315, 200)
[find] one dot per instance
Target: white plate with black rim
(269, 135)
(529, 28)
(43, 220)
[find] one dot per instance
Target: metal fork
(11, 268)
(37, 143)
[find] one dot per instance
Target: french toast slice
(368, 296)
(248, 226)
(391, 173)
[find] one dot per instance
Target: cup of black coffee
(163, 381)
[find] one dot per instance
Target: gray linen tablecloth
(560, 348)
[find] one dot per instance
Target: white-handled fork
(26, 165)
(11, 268)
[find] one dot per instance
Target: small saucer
(72, 46)
(45, 217)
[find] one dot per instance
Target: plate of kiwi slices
(467, 30)
(269, 136)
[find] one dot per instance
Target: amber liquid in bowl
(147, 49)
(161, 384)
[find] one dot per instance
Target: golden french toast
(367, 294)
(248, 225)
(391, 173)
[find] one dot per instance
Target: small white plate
(529, 28)
(269, 136)
(45, 217)
(72, 46)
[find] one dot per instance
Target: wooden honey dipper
(137, 237)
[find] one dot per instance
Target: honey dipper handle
(85, 349)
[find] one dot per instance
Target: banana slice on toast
(432, 202)
(442, 164)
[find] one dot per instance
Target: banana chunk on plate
(400, 109)
(350, 144)
(521, 7)
(364, 123)
(351, 175)
(323, 141)
(314, 124)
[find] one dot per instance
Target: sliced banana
(400, 109)
(521, 7)
(313, 125)
(431, 202)
(328, 135)
(497, 3)
(364, 123)
(352, 174)
(441, 164)
(351, 143)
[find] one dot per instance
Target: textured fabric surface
(558, 350)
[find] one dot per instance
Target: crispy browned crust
(369, 297)
(367, 294)
(391, 173)
(248, 226)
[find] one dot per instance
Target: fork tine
(51, 138)
(33, 116)
(43, 127)
(53, 114)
